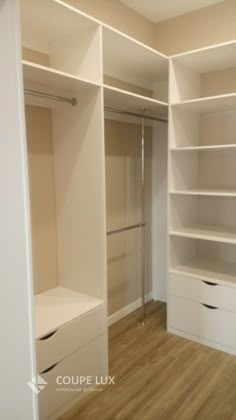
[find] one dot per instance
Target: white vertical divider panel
(79, 55)
(159, 211)
(186, 83)
(80, 194)
(103, 189)
(159, 201)
(17, 365)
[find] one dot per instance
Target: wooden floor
(160, 376)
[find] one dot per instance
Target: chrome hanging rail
(134, 114)
(124, 229)
(72, 101)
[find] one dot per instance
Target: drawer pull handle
(49, 369)
(46, 337)
(209, 283)
(209, 306)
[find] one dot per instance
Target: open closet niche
(202, 194)
(135, 82)
(65, 141)
(124, 209)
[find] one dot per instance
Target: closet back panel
(42, 197)
(189, 210)
(183, 250)
(218, 82)
(194, 129)
(123, 195)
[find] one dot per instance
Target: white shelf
(52, 78)
(57, 306)
(222, 234)
(210, 59)
(128, 59)
(210, 192)
(128, 101)
(208, 270)
(49, 21)
(216, 147)
(208, 104)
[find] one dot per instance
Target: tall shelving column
(202, 196)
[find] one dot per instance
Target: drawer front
(69, 338)
(91, 360)
(211, 293)
(195, 318)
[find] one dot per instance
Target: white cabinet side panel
(159, 211)
(17, 354)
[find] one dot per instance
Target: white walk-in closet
(117, 187)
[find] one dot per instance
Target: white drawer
(91, 360)
(211, 293)
(195, 318)
(69, 338)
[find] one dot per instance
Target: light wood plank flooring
(161, 377)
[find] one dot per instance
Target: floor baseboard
(117, 316)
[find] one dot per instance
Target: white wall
(17, 358)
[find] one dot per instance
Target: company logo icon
(37, 384)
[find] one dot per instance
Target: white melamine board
(159, 210)
(52, 78)
(217, 147)
(208, 270)
(17, 364)
(127, 101)
(57, 306)
(210, 192)
(129, 60)
(208, 104)
(80, 194)
(70, 39)
(47, 22)
(184, 83)
(207, 232)
(209, 59)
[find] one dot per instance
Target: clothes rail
(124, 229)
(134, 114)
(72, 101)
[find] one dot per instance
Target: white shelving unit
(64, 34)
(202, 195)
(67, 54)
(134, 63)
(66, 177)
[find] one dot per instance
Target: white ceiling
(158, 10)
